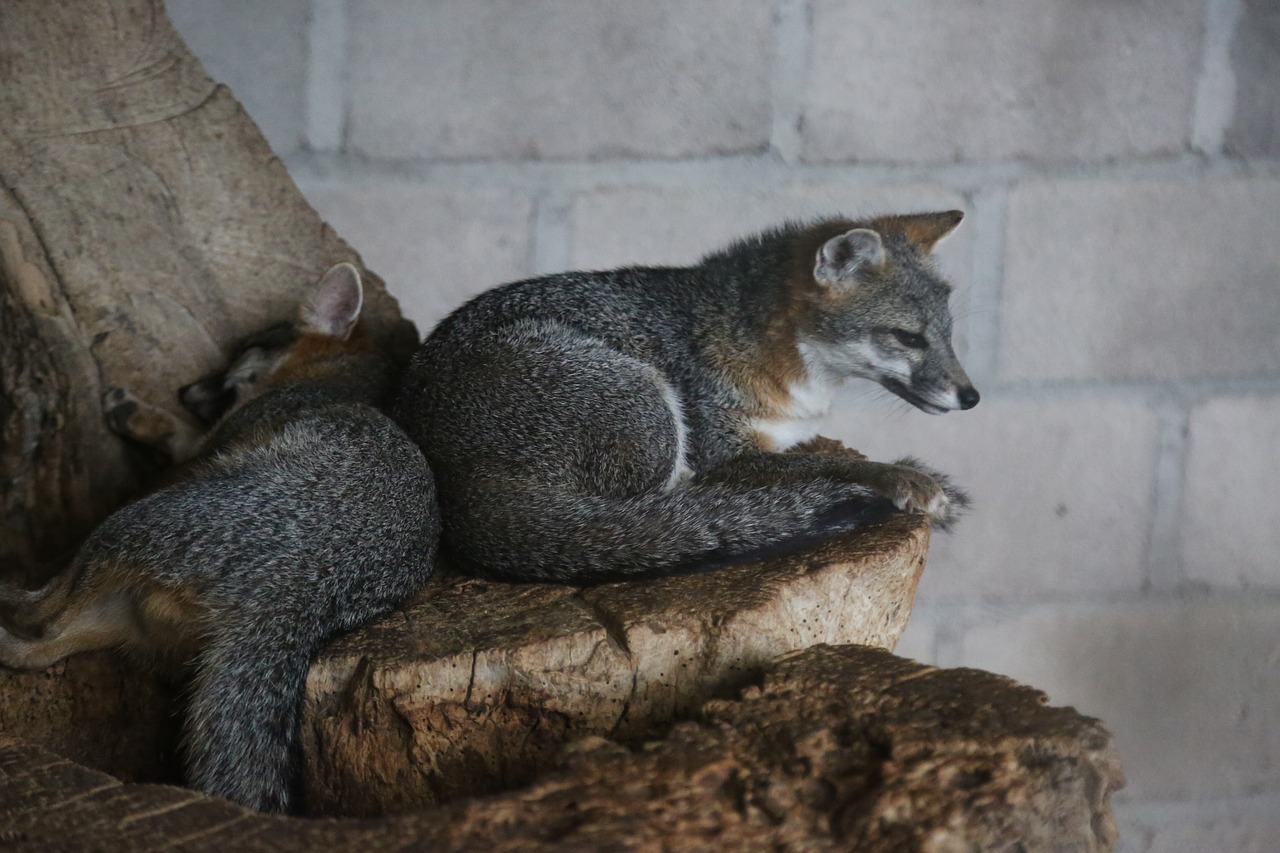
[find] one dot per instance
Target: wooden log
(473, 687)
(837, 748)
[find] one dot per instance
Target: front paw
(119, 406)
(131, 418)
(919, 488)
(150, 426)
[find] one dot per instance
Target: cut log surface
(837, 748)
(475, 685)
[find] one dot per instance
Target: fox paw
(141, 422)
(922, 489)
(131, 418)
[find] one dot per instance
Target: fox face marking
(882, 313)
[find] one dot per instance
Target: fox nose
(969, 397)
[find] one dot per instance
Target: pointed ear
(335, 303)
(926, 229)
(841, 259)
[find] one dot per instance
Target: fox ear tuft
(334, 306)
(926, 229)
(841, 259)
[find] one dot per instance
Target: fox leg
(146, 424)
(911, 486)
(28, 610)
(101, 622)
(115, 606)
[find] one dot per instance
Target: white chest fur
(800, 418)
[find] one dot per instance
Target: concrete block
(435, 248)
(1255, 58)
(1149, 279)
(984, 80)
(258, 50)
(557, 79)
(1230, 531)
(1191, 689)
(1062, 489)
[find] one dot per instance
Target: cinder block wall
(1118, 283)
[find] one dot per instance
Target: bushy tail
(558, 536)
(242, 740)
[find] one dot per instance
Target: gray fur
(305, 513)
(325, 526)
(544, 408)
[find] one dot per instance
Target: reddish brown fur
(768, 373)
(118, 606)
(309, 355)
(923, 230)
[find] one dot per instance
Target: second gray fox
(306, 512)
(596, 426)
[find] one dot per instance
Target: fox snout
(960, 396)
(933, 400)
(208, 399)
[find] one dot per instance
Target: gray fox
(304, 512)
(598, 426)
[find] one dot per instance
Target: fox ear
(335, 303)
(926, 229)
(842, 258)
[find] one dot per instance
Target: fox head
(325, 323)
(878, 310)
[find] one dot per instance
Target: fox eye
(910, 339)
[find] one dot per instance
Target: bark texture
(839, 748)
(99, 710)
(145, 226)
(476, 685)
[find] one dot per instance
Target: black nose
(969, 397)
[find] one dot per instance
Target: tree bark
(835, 748)
(145, 226)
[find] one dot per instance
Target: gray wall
(1118, 283)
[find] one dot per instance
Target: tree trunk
(145, 226)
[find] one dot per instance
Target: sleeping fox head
(878, 310)
(325, 325)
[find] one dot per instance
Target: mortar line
(732, 172)
(957, 614)
(1163, 553)
(1187, 391)
(326, 76)
(1214, 104)
(791, 47)
(1153, 812)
